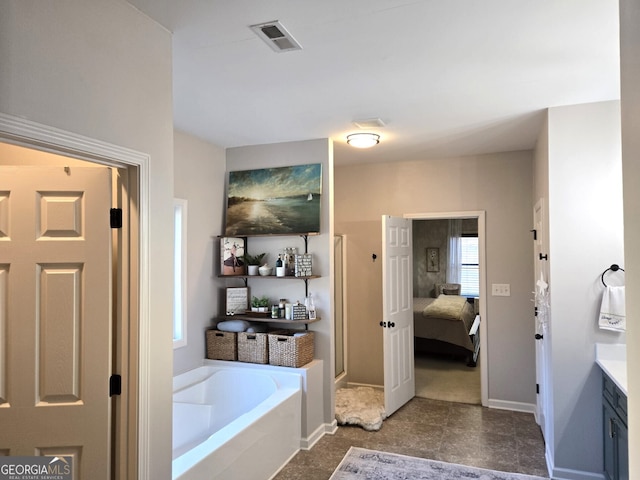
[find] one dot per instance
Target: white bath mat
(363, 406)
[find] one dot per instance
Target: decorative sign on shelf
(299, 312)
(237, 300)
(231, 256)
(282, 200)
(303, 265)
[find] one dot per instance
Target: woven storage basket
(221, 345)
(288, 351)
(253, 347)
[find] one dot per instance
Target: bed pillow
(449, 307)
(450, 291)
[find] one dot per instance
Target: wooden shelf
(307, 234)
(287, 277)
(266, 318)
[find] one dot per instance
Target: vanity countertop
(612, 359)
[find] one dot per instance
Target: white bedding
(443, 329)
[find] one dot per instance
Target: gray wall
(585, 226)
(321, 246)
(199, 178)
(630, 79)
(501, 185)
(429, 234)
(103, 70)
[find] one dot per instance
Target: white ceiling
(448, 77)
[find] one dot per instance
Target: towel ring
(613, 268)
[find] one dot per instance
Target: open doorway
(448, 266)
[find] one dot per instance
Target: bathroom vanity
(612, 361)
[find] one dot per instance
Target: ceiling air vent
(276, 36)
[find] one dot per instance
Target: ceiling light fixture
(363, 140)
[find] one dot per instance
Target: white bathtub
(231, 422)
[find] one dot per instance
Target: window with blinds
(469, 267)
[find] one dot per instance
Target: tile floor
(445, 431)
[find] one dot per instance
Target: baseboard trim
(514, 406)
(318, 433)
(331, 428)
(568, 474)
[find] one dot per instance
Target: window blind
(469, 268)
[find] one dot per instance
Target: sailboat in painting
(310, 197)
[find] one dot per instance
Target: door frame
(482, 258)
(131, 447)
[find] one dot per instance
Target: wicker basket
(287, 350)
(253, 347)
(221, 345)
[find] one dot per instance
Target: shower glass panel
(339, 305)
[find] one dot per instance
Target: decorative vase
(265, 270)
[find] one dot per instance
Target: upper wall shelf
(310, 234)
(305, 237)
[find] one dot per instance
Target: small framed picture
(433, 259)
(232, 256)
(312, 314)
(237, 300)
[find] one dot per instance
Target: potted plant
(260, 304)
(253, 262)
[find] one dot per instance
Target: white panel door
(542, 317)
(55, 315)
(397, 321)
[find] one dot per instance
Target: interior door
(55, 315)
(541, 314)
(397, 320)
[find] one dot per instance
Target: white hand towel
(612, 311)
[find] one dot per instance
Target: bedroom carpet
(439, 378)
(363, 464)
(362, 406)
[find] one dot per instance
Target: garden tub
(233, 422)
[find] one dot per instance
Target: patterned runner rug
(363, 464)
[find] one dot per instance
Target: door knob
(383, 324)
(391, 324)
(538, 336)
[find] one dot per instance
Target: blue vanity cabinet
(616, 434)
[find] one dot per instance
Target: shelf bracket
(306, 242)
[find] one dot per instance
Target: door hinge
(537, 388)
(115, 385)
(115, 217)
(535, 311)
(543, 257)
(535, 233)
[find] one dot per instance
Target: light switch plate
(500, 289)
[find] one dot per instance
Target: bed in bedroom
(447, 325)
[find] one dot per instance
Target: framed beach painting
(271, 201)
